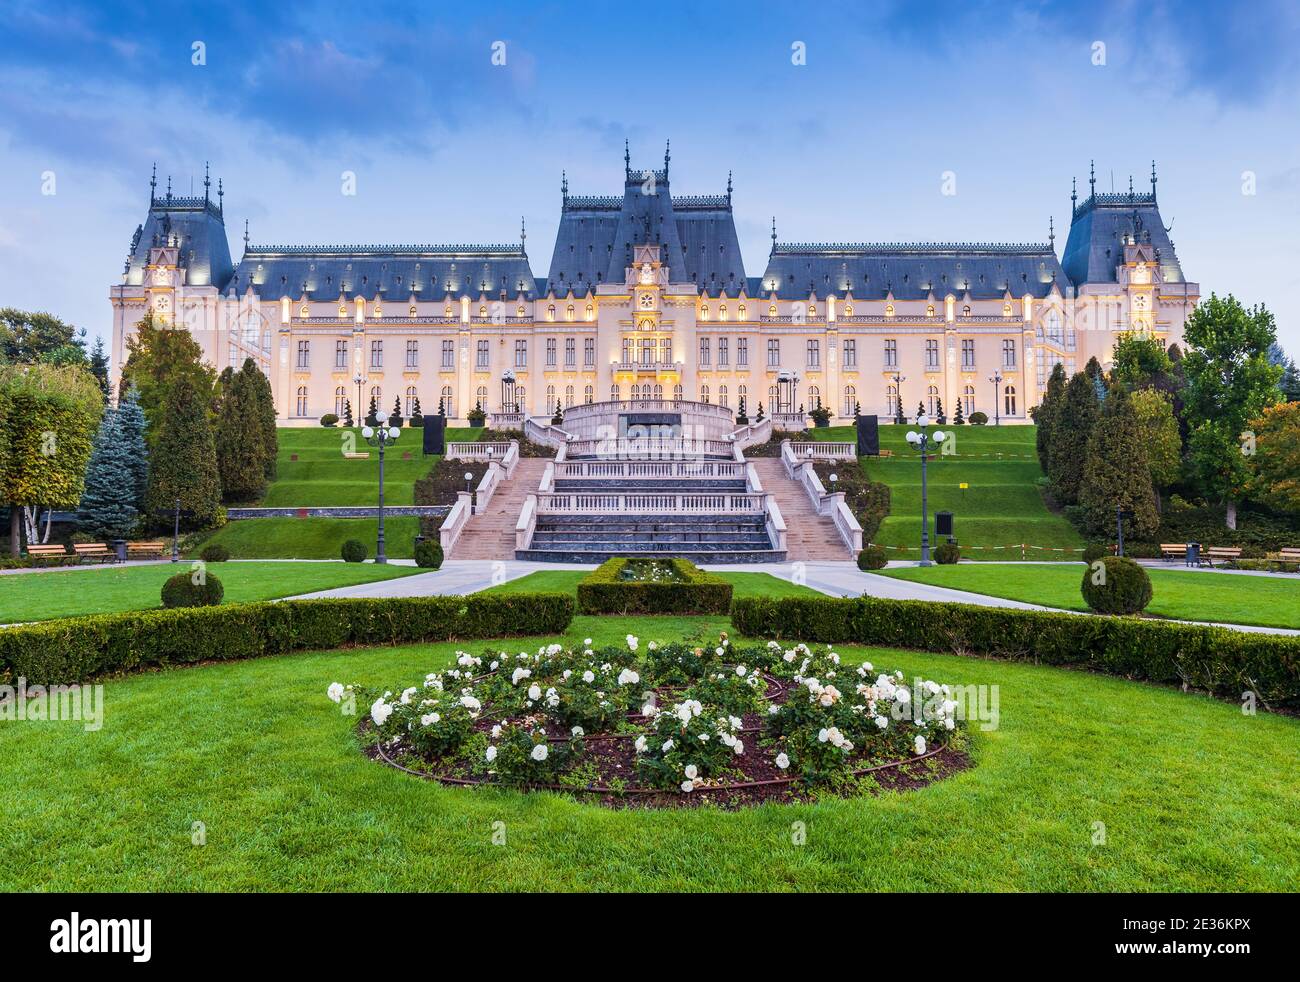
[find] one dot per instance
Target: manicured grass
(1191, 793)
(1184, 594)
(311, 538)
(1000, 507)
(69, 592)
(744, 584)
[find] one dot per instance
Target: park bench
(1222, 553)
(140, 550)
(1173, 550)
(364, 455)
(93, 550)
(54, 552)
(1288, 559)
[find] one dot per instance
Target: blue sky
(448, 147)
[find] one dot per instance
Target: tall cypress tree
(107, 510)
(239, 440)
(131, 420)
(1116, 473)
(1046, 412)
(183, 463)
(263, 406)
(1071, 429)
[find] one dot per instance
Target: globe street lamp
(922, 441)
(380, 437)
(996, 379)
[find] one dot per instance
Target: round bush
(354, 551)
(193, 588)
(215, 553)
(329, 419)
(1116, 585)
(872, 557)
(428, 554)
(1094, 551)
(978, 419)
(947, 553)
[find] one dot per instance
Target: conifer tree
(183, 459)
(239, 440)
(1116, 473)
(958, 419)
(1045, 414)
(99, 368)
(347, 414)
(938, 410)
(395, 418)
(1071, 429)
(372, 414)
(417, 417)
(263, 401)
(107, 510)
(130, 418)
(920, 410)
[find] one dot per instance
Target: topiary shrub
(1094, 551)
(978, 419)
(193, 588)
(354, 551)
(872, 557)
(329, 419)
(947, 553)
(215, 553)
(1116, 585)
(428, 554)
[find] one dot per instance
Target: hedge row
(602, 592)
(77, 648)
(1211, 659)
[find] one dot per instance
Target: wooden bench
(93, 550)
(365, 455)
(137, 550)
(1173, 550)
(47, 552)
(1222, 553)
(1289, 555)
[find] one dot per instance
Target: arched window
(931, 399)
(659, 391)
(449, 404)
(446, 311)
(1009, 400)
(850, 399)
(929, 310)
(340, 401)
(968, 400)
(519, 311)
(410, 401)
(891, 399)
(889, 310)
(521, 398)
(377, 394)
(482, 311)
(588, 395)
(591, 312)
(814, 397)
(741, 312)
(704, 393)
(636, 393)
(568, 397)
(771, 310)
(550, 398)
(302, 400)
(965, 310)
(480, 397)
(550, 312)
(413, 310)
(722, 396)
(722, 312)
(704, 312)
(613, 393)
(568, 312)
(1006, 310)
(677, 393)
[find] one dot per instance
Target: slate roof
(912, 270)
(1098, 227)
(199, 228)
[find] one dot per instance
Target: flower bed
(653, 586)
(675, 724)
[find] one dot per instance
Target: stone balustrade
(652, 503)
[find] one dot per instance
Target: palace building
(647, 296)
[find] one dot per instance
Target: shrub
(1210, 659)
(671, 586)
(872, 557)
(1096, 550)
(77, 648)
(354, 551)
(978, 419)
(428, 554)
(192, 589)
(329, 419)
(215, 553)
(1116, 585)
(947, 553)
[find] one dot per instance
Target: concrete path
(457, 577)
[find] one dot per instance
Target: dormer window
(591, 312)
(343, 310)
(722, 312)
(812, 310)
(482, 311)
(965, 310)
(412, 310)
(771, 310)
(550, 312)
(704, 312)
(302, 311)
(520, 310)
(929, 310)
(568, 312)
(446, 311)
(889, 310)
(379, 310)
(848, 310)
(1006, 310)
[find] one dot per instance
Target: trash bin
(119, 549)
(1193, 554)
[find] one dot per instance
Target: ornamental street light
(996, 379)
(380, 438)
(357, 414)
(922, 441)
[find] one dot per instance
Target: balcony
(647, 367)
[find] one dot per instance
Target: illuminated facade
(647, 296)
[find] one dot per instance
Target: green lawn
(1187, 595)
(1191, 793)
(69, 592)
(310, 538)
(744, 584)
(1000, 507)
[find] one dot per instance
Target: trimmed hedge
(947, 553)
(1120, 586)
(428, 554)
(353, 551)
(1211, 659)
(78, 648)
(872, 557)
(602, 592)
(182, 590)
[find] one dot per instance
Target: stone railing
(455, 522)
(774, 522)
(548, 435)
(506, 421)
(650, 448)
(487, 487)
(848, 527)
(615, 407)
(789, 421)
(527, 523)
(752, 433)
(824, 450)
(337, 511)
(494, 450)
(648, 469)
(651, 503)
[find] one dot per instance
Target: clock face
(161, 303)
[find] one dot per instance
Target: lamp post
(380, 437)
(898, 396)
(921, 441)
(176, 534)
(509, 401)
(359, 415)
(1120, 515)
(996, 379)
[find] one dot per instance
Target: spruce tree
(1071, 429)
(1116, 473)
(264, 407)
(1046, 412)
(239, 440)
(183, 460)
(99, 368)
(132, 423)
(107, 510)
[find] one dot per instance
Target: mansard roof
(392, 271)
(197, 226)
(912, 270)
(1099, 227)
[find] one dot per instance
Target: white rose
(740, 669)
(578, 731)
(640, 744)
(691, 771)
(668, 745)
(688, 786)
(539, 752)
(335, 692)
(534, 692)
(589, 676)
(920, 744)
(587, 642)
(632, 642)
(491, 754)
(380, 712)
(628, 677)
(782, 761)
(430, 719)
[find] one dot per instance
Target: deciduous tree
(1275, 465)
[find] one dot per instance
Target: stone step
(695, 556)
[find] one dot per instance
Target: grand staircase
(492, 534)
(808, 535)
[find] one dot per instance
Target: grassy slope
(744, 584)
(321, 476)
(66, 593)
(1001, 507)
(1269, 601)
(1192, 793)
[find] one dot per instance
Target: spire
(627, 160)
(245, 235)
(169, 189)
(523, 235)
(564, 186)
(153, 184)
(1153, 179)
(728, 187)
(667, 156)
(1092, 177)
(221, 204)
(1051, 232)
(207, 182)
(1074, 192)
(773, 233)
(1130, 185)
